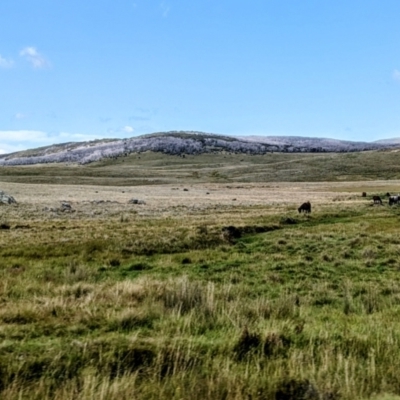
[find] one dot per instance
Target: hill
(182, 143)
(321, 144)
(153, 168)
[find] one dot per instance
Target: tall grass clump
(154, 307)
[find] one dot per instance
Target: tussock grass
(162, 305)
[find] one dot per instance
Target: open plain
(210, 286)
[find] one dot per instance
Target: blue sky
(79, 70)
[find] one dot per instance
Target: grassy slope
(156, 168)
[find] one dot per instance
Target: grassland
(158, 301)
(156, 168)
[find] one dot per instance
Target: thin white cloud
(117, 131)
(19, 116)
(6, 63)
(165, 8)
(128, 129)
(7, 150)
(396, 75)
(34, 57)
(11, 141)
(73, 137)
(23, 135)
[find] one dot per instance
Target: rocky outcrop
(6, 199)
(65, 207)
(180, 144)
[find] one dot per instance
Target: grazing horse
(305, 207)
(377, 200)
(394, 200)
(364, 194)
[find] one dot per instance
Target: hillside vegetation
(157, 168)
(182, 143)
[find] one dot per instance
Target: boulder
(6, 199)
(65, 206)
(136, 201)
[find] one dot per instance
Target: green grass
(173, 308)
(156, 168)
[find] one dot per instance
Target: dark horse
(377, 200)
(305, 207)
(394, 200)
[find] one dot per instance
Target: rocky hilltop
(323, 144)
(182, 143)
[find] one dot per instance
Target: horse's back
(305, 207)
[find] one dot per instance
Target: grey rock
(66, 207)
(6, 199)
(136, 201)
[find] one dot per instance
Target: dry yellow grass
(165, 199)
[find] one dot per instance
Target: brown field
(174, 199)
